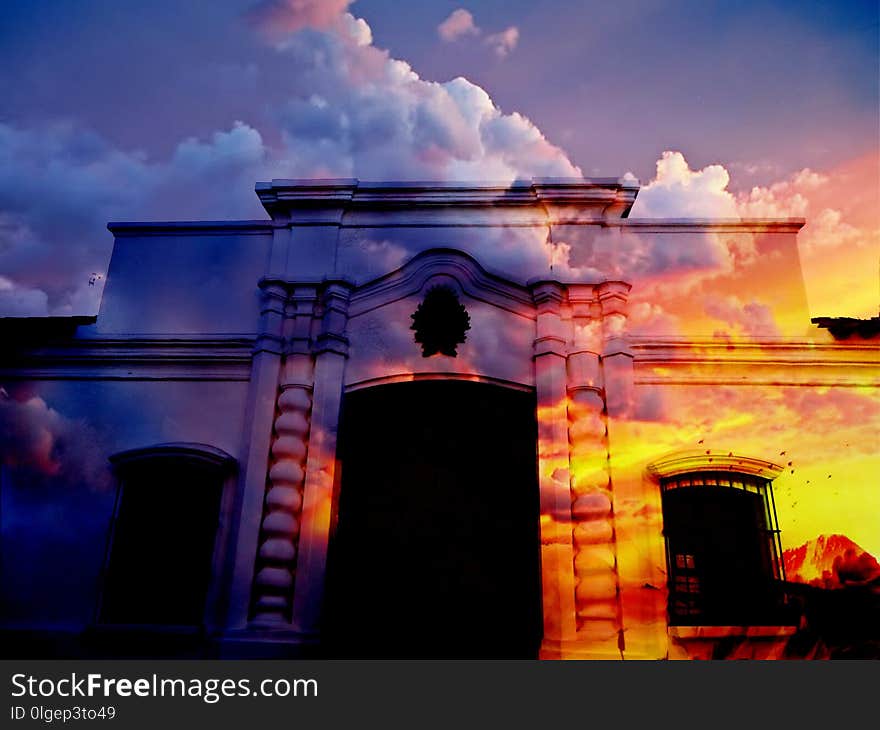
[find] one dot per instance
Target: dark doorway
(436, 551)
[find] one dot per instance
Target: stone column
(557, 571)
(331, 352)
(640, 543)
(257, 437)
(280, 527)
(596, 594)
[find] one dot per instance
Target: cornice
(766, 362)
(323, 201)
(135, 357)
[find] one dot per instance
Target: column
(638, 527)
(272, 593)
(557, 572)
(596, 593)
(331, 352)
(257, 439)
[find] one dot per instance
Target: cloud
(40, 446)
(59, 186)
(503, 42)
(677, 191)
(753, 318)
(347, 108)
(824, 200)
(459, 23)
(277, 18)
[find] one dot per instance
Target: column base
(580, 649)
(262, 642)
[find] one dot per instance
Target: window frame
(710, 469)
(221, 467)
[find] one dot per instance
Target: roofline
(775, 225)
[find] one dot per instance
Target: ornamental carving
(440, 322)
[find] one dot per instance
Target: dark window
(722, 549)
(160, 562)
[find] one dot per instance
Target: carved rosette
(440, 322)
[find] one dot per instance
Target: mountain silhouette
(831, 561)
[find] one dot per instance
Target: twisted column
(596, 590)
(280, 525)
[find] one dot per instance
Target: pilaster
(331, 353)
(557, 565)
(595, 562)
(257, 439)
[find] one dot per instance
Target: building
(419, 419)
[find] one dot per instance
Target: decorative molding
(796, 362)
(411, 278)
(136, 357)
(714, 225)
(314, 199)
(409, 377)
(195, 453)
(692, 460)
(440, 322)
(124, 229)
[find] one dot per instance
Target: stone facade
(246, 335)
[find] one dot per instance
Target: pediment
(448, 267)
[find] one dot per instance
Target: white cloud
(276, 18)
(677, 191)
(351, 110)
(503, 42)
(459, 23)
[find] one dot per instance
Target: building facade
(407, 419)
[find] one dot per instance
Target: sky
(169, 110)
(127, 111)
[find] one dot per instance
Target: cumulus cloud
(348, 109)
(40, 446)
(59, 186)
(677, 191)
(459, 23)
(503, 42)
(279, 17)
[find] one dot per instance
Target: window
(722, 541)
(159, 566)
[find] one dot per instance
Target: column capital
(547, 293)
(613, 297)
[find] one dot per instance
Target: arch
(419, 377)
(195, 453)
(450, 266)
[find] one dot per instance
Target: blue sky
(120, 107)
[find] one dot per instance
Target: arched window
(159, 566)
(722, 539)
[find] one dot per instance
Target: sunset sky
(136, 111)
(169, 110)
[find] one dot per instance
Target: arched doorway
(436, 549)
